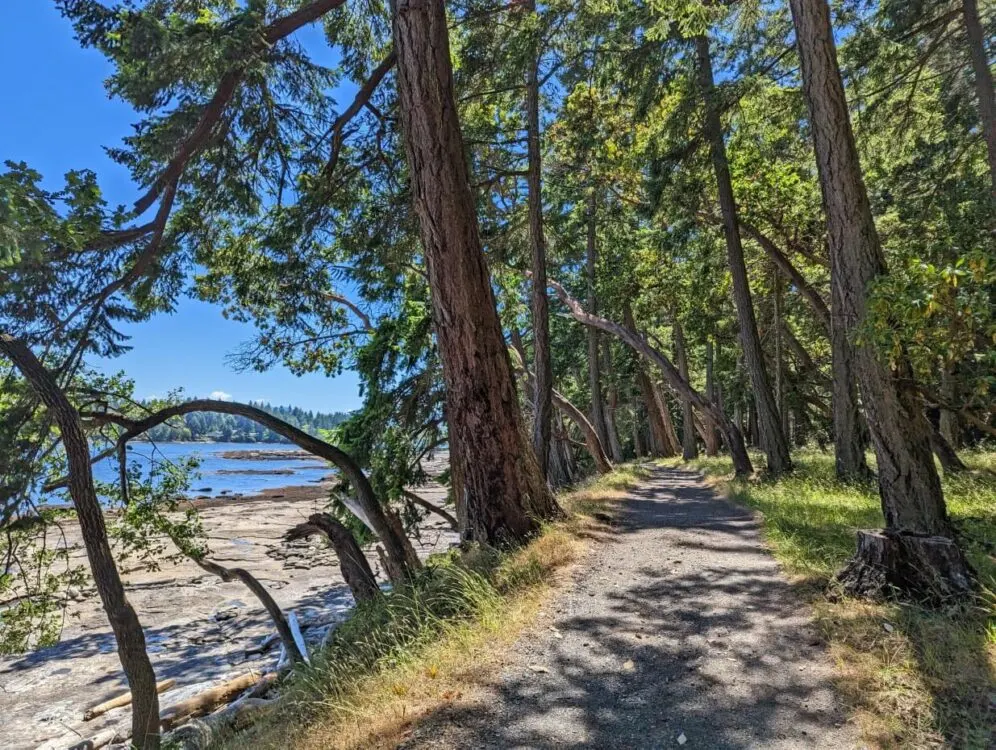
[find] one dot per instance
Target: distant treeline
(229, 428)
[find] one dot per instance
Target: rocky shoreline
(200, 631)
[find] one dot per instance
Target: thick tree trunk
(542, 363)
(849, 442)
(353, 565)
(633, 339)
(124, 622)
(775, 445)
(945, 453)
(912, 501)
(495, 475)
(983, 81)
(638, 448)
(950, 428)
(689, 446)
(594, 374)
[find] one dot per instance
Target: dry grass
(913, 678)
(392, 664)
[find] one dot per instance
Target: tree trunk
(594, 376)
(950, 428)
(712, 393)
(615, 448)
(633, 339)
(983, 82)
(659, 440)
(779, 358)
(673, 444)
(638, 449)
(259, 591)
(356, 571)
(689, 446)
(775, 445)
(595, 446)
(495, 475)
(542, 363)
(124, 622)
(912, 501)
(945, 453)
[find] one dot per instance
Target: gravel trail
(680, 630)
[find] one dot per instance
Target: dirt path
(680, 631)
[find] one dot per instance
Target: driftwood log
(890, 564)
(102, 739)
(206, 702)
(123, 699)
(199, 733)
(355, 569)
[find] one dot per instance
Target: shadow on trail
(694, 632)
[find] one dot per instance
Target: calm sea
(218, 475)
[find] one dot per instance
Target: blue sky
(56, 116)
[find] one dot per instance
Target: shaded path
(680, 624)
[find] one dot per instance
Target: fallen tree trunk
(353, 564)
(123, 699)
(199, 733)
(731, 433)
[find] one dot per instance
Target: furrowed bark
(124, 621)
(496, 477)
(775, 445)
(912, 500)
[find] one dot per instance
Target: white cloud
(220, 396)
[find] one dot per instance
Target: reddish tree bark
(496, 479)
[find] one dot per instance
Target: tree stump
(892, 564)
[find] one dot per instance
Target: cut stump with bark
(891, 564)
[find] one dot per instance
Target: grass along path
(426, 646)
(914, 678)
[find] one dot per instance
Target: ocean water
(217, 475)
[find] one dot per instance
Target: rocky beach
(200, 630)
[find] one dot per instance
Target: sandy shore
(197, 627)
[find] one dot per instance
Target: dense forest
(552, 236)
(229, 428)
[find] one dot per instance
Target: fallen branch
(124, 699)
